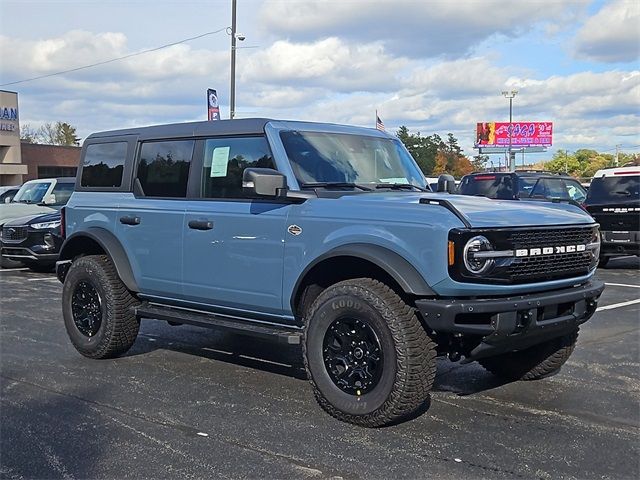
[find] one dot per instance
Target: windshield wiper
(401, 186)
(335, 184)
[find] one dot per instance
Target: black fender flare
(112, 247)
(396, 266)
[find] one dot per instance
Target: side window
(103, 165)
(225, 160)
(163, 168)
(62, 191)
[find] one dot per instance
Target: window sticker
(219, 161)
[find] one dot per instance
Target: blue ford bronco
(324, 235)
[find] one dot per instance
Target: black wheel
(98, 309)
(367, 356)
(602, 263)
(41, 267)
(535, 362)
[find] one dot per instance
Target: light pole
(510, 94)
(234, 37)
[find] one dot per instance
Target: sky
(434, 66)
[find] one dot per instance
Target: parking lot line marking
(622, 285)
(618, 305)
(41, 279)
(4, 270)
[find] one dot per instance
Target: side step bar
(280, 333)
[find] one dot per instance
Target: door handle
(130, 220)
(200, 224)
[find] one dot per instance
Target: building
(11, 167)
(47, 161)
(20, 162)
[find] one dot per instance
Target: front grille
(14, 233)
(533, 265)
(550, 266)
(550, 237)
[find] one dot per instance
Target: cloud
(408, 27)
(330, 63)
(612, 34)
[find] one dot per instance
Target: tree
(479, 162)
(435, 156)
(59, 133)
(28, 134)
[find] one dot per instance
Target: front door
(233, 245)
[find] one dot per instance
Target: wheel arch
(98, 241)
(353, 260)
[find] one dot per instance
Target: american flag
(379, 124)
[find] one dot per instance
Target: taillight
(63, 229)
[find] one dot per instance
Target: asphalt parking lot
(194, 403)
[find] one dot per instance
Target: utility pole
(232, 95)
(510, 95)
(617, 154)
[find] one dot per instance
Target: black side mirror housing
(446, 183)
(264, 182)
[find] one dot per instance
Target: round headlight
(473, 258)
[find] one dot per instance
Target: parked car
(35, 197)
(324, 235)
(614, 201)
(34, 240)
(7, 193)
(523, 185)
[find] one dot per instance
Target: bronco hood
(481, 212)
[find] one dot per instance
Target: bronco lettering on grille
(534, 252)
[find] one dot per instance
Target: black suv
(34, 241)
(614, 201)
(522, 185)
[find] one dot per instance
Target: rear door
(150, 222)
(233, 245)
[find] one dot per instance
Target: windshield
(342, 158)
(32, 192)
(489, 185)
(614, 189)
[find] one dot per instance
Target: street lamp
(510, 94)
(234, 36)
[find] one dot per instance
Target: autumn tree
(435, 155)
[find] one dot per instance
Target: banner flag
(212, 103)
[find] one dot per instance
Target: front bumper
(512, 323)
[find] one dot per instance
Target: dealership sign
(8, 119)
(523, 134)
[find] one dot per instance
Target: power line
(113, 59)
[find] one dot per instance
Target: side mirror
(264, 182)
(49, 199)
(446, 183)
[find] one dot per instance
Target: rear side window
(225, 160)
(163, 169)
(489, 185)
(103, 164)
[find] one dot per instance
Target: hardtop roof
(244, 126)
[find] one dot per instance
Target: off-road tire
(535, 362)
(119, 326)
(409, 364)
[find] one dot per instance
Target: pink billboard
(525, 134)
